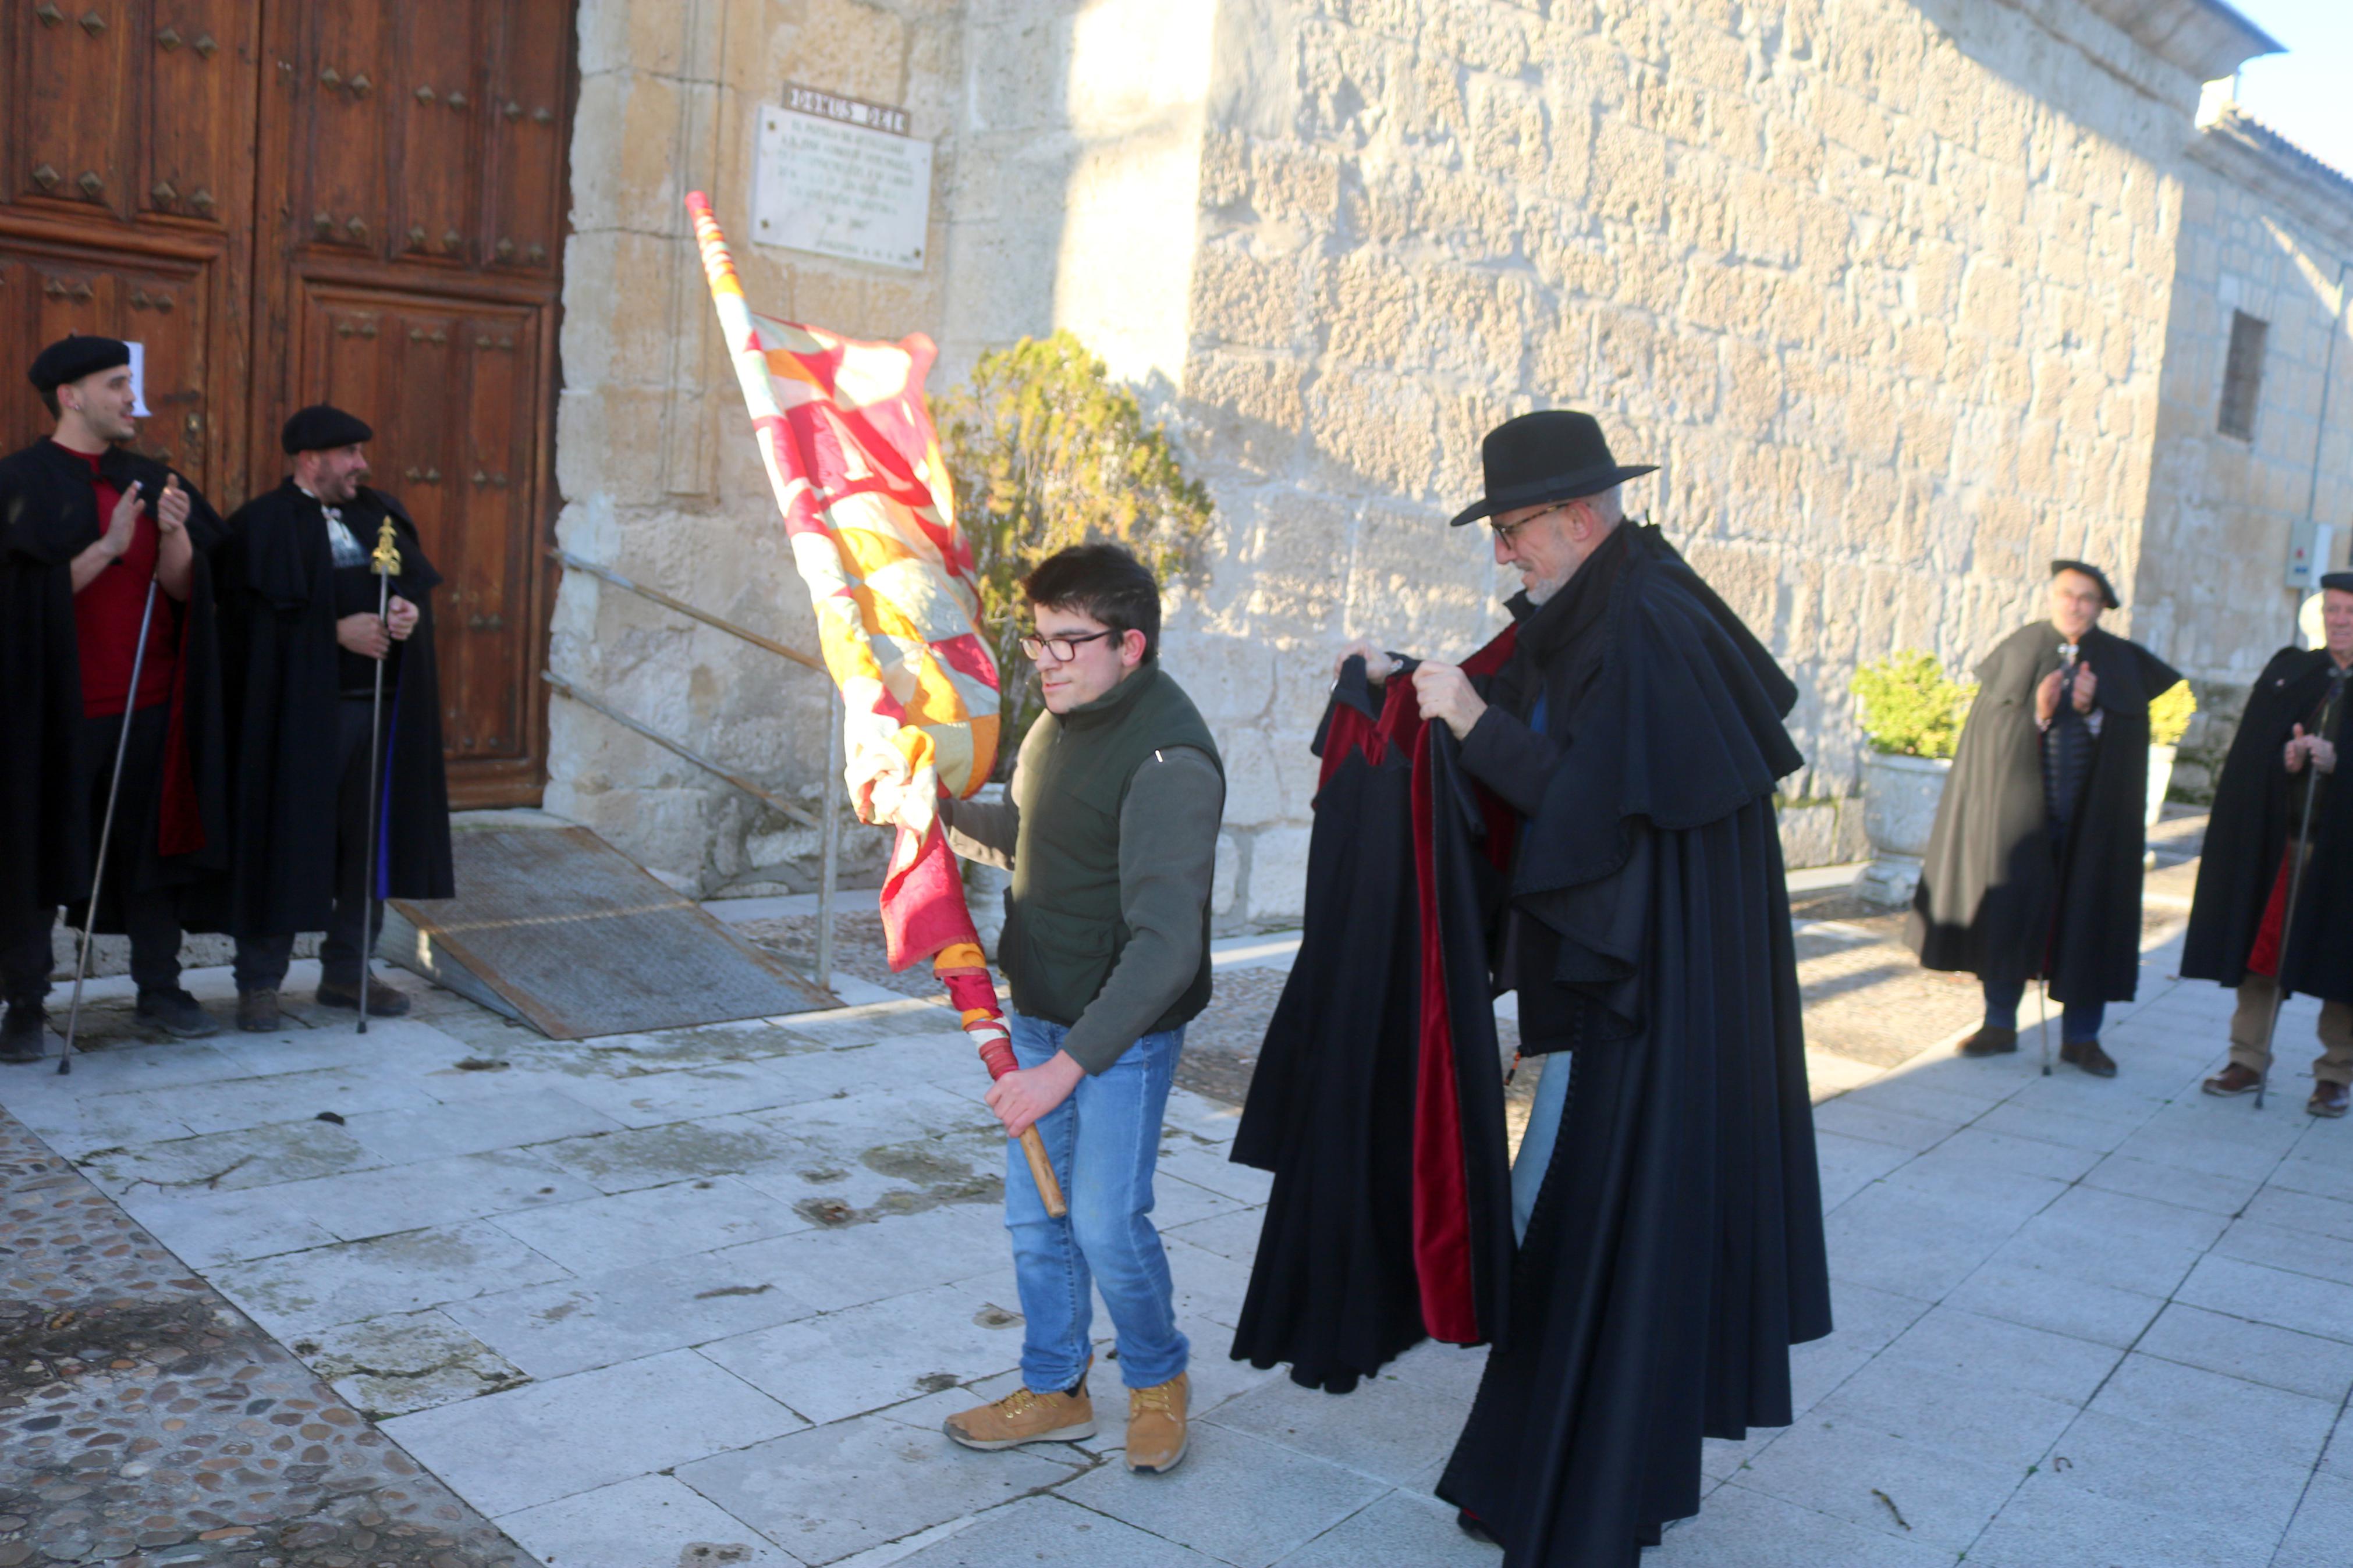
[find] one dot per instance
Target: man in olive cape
(2288, 743)
(299, 611)
(84, 528)
(1626, 734)
(2034, 867)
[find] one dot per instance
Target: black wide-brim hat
(322, 428)
(2107, 589)
(1554, 455)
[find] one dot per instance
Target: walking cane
(385, 563)
(106, 829)
(2294, 886)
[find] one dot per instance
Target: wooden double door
(288, 202)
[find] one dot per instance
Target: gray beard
(1539, 589)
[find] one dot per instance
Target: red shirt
(106, 617)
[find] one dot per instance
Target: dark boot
(177, 1013)
(257, 1012)
(2087, 1055)
(24, 1037)
(383, 1001)
(1990, 1042)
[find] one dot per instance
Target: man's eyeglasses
(1507, 532)
(1064, 649)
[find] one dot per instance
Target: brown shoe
(2327, 1100)
(2087, 1055)
(1025, 1416)
(1990, 1042)
(257, 1012)
(1156, 1438)
(383, 1002)
(2234, 1079)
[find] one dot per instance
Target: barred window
(2243, 375)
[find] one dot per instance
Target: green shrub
(1046, 450)
(1909, 707)
(2170, 714)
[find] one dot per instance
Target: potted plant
(2168, 720)
(1912, 714)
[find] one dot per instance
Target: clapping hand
(172, 506)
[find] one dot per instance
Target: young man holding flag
(1111, 833)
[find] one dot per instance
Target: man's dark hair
(1103, 583)
(49, 400)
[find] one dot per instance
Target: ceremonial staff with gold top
(384, 561)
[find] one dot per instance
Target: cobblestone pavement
(704, 1296)
(145, 1421)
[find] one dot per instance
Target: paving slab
(646, 1522)
(833, 1490)
(1049, 1533)
(1237, 1498)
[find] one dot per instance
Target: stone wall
(2265, 230)
(653, 454)
(1883, 286)
(1889, 319)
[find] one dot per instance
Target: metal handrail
(828, 828)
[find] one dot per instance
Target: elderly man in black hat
(2278, 797)
(306, 648)
(1593, 791)
(99, 546)
(2033, 869)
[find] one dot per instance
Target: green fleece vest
(1064, 930)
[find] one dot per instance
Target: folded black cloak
(1995, 897)
(1377, 1100)
(1675, 1251)
(285, 694)
(48, 515)
(2256, 818)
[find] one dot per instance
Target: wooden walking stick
(2296, 884)
(385, 563)
(106, 829)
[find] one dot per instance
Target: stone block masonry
(1893, 291)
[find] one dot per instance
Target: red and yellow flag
(858, 477)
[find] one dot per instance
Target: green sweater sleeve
(1167, 861)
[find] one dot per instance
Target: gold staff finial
(386, 559)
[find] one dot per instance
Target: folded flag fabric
(851, 453)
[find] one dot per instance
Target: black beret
(70, 359)
(321, 427)
(2340, 581)
(2107, 591)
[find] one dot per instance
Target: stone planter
(1899, 812)
(2160, 775)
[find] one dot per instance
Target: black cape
(1675, 1252)
(1378, 1100)
(48, 514)
(2255, 820)
(285, 693)
(1992, 899)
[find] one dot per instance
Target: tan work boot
(1025, 1416)
(1155, 1426)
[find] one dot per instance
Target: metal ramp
(556, 928)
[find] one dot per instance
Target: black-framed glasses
(1507, 532)
(1064, 649)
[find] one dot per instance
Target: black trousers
(150, 916)
(261, 961)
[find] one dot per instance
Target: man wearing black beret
(1580, 813)
(2280, 775)
(305, 646)
(2034, 867)
(85, 528)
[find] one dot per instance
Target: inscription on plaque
(841, 178)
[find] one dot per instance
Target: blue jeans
(1103, 1142)
(2079, 1022)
